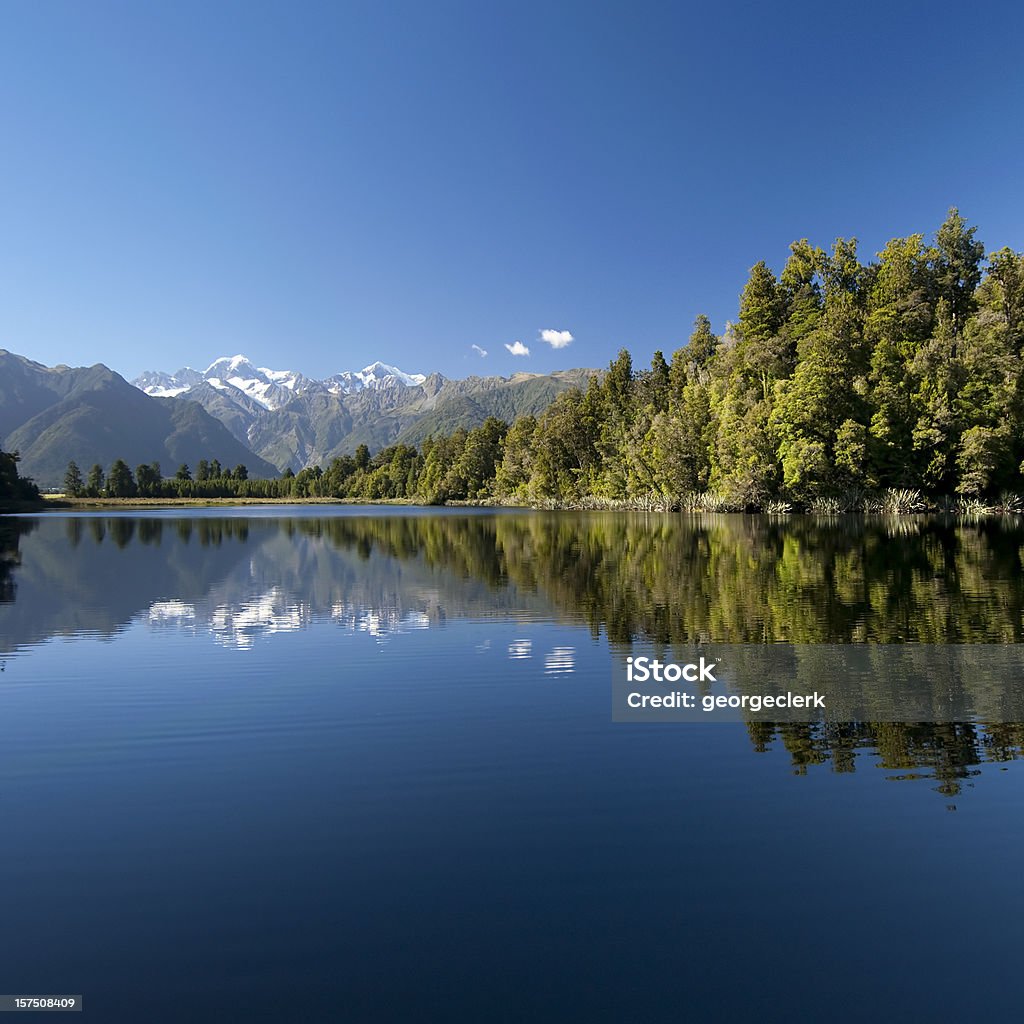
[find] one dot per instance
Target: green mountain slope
(315, 427)
(468, 403)
(92, 414)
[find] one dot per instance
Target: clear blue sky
(320, 185)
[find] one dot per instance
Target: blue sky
(321, 185)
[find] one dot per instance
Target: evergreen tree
(958, 266)
(120, 482)
(74, 485)
(147, 479)
(761, 305)
(659, 383)
(13, 486)
(95, 484)
(515, 470)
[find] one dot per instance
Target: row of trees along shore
(893, 385)
(210, 480)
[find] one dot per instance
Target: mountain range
(51, 415)
(292, 420)
(233, 411)
(271, 388)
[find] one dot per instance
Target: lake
(358, 764)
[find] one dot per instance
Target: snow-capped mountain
(376, 375)
(167, 385)
(271, 389)
(293, 421)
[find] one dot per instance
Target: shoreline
(60, 503)
(959, 508)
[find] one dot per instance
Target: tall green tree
(658, 383)
(96, 481)
(514, 472)
(13, 486)
(762, 306)
(120, 482)
(74, 485)
(958, 266)
(819, 413)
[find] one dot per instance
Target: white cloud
(518, 349)
(556, 339)
(481, 352)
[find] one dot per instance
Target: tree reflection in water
(672, 579)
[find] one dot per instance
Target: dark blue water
(362, 768)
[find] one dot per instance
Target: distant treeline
(879, 386)
(211, 480)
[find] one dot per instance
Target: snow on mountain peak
(228, 366)
(376, 375)
(379, 371)
(272, 388)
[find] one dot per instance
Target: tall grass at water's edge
(892, 502)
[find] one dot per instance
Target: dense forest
(893, 385)
(14, 488)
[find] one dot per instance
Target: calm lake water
(359, 765)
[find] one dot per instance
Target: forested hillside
(893, 384)
(91, 414)
(318, 421)
(843, 385)
(840, 378)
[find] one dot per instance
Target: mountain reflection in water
(239, 580)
